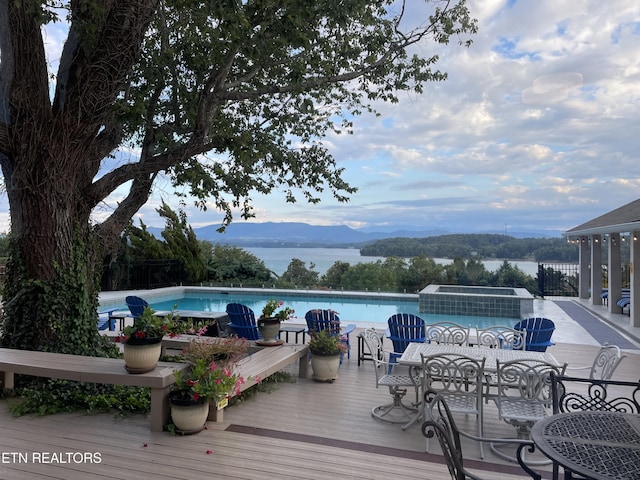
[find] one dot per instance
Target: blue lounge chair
(105, 321)
(318, 320)
(242, 321)
(538, 333)
(403, 329)
(624, 302)
(136, 305)
(604, 295)
(625, 292)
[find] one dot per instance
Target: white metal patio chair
(498, 336)
(397, 411)
(459, 380)
(604, 364)
(524, 395)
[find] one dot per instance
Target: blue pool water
(363, 309)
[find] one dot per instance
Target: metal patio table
(411, 355)
(595, 444)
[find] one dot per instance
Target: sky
(537, 128)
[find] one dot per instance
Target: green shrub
(44, 397)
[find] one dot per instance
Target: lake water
(278, 259)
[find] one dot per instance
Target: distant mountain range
(294, 234)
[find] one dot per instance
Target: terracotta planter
(325, 367)
(189, 416)
(269, 329)
(142, 355)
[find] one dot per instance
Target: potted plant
(270, 319)
(326, 350)
(142, 341)
(204, 383)
(222, 351)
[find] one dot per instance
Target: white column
(615, 273)
(634, 311)
(596, 270)
(584, 262)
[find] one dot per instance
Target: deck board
(306, 430)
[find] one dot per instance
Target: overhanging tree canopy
(226, 98)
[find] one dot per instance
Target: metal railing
(562, 279)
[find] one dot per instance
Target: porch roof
(622, 219)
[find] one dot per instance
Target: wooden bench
(258, 365)
(267, 361)
(94, 370)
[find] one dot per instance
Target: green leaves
(259, 83)
(45, 397)
(179, 243)
(228, 265)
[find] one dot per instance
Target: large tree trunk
(50, 153)
(51, 292)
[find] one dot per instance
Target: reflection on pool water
(355, 307)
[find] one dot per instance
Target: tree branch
(24, 77)
(110, 229)
(6, 74)
(90, 82)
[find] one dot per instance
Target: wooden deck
(304, 430)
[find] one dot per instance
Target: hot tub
(503, 302)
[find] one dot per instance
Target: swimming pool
(364, 309)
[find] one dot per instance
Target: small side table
(297, 329)
(120, 315)
(362, 354)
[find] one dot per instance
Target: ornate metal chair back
(501, 337)
(570, 394)
(378, 355)
(526, 380)
(447, 332)
(606, 361)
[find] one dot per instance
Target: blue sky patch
(507, 48)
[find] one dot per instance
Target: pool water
(365, 310)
